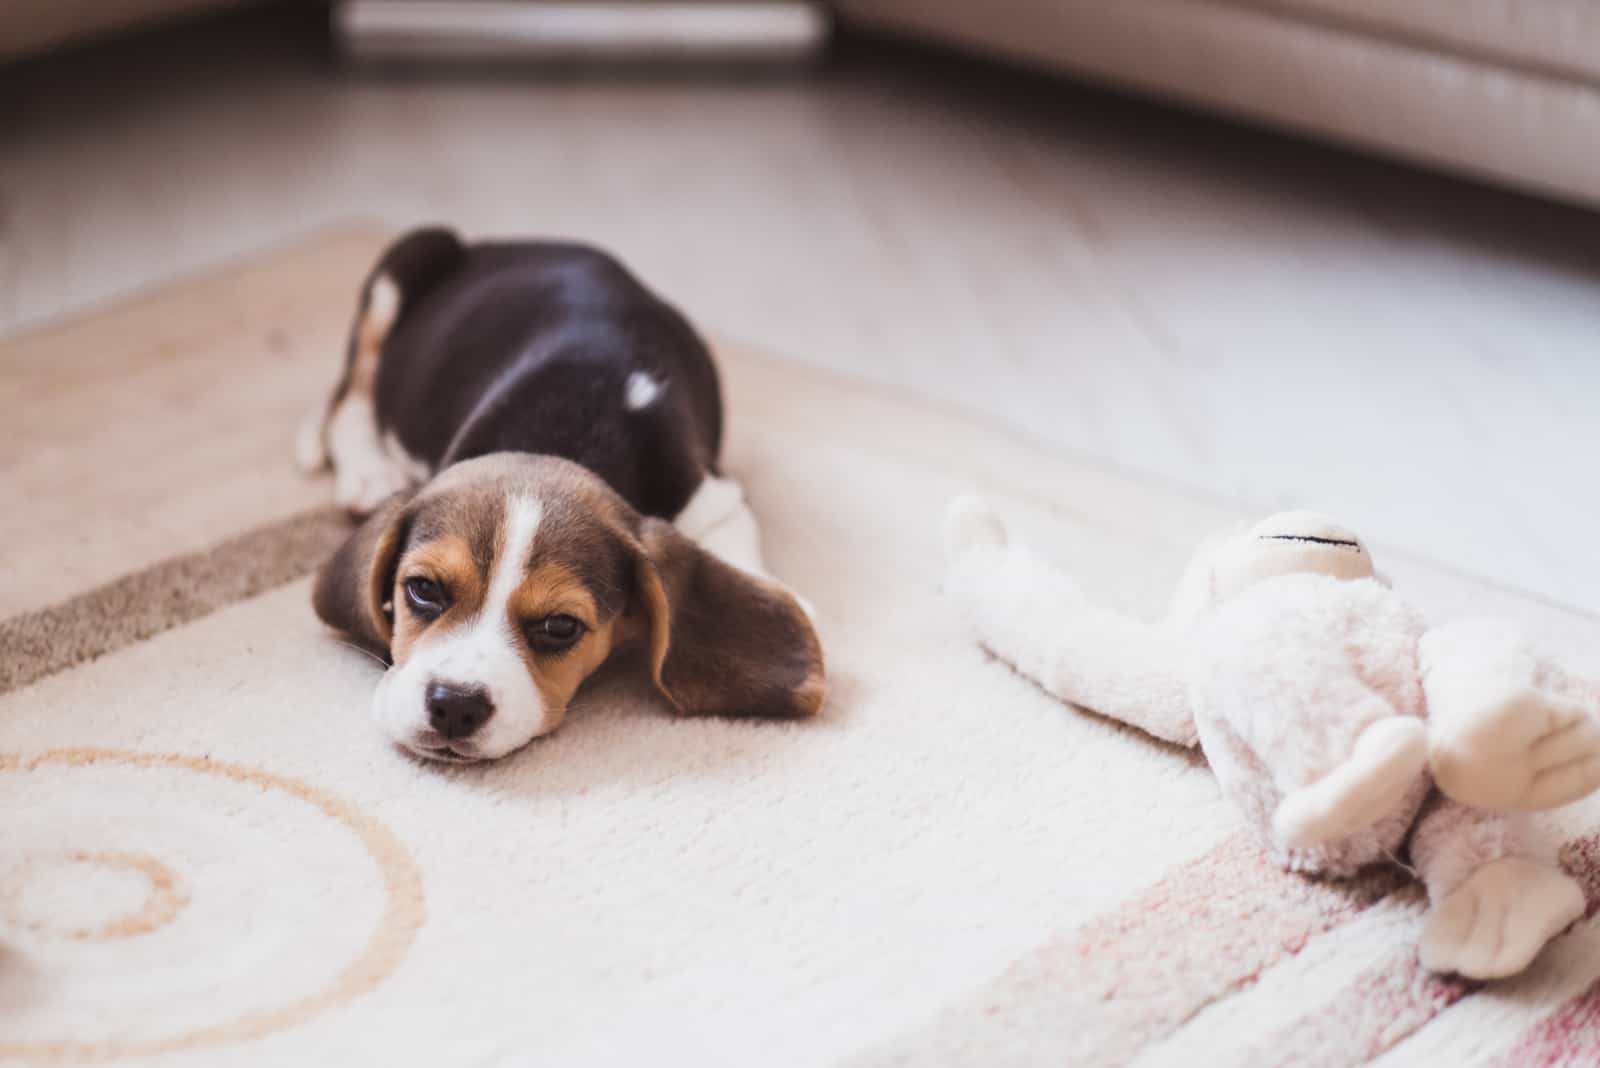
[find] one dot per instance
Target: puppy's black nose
(457, 711)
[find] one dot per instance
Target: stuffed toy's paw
(1389, 757)
(1496, 922)
(1509, 730)
(1520, 750)
(969, 523)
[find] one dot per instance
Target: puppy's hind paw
(969, 523)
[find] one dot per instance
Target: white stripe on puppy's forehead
(519, 527)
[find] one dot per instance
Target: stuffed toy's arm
(1036, 619)
(1509, 729)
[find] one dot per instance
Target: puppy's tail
(406, 270)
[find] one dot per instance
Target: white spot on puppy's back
(639, 391)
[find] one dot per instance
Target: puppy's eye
(426, 597)
(554, 633)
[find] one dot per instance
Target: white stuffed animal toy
(1346, 730)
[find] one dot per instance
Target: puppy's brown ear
(353, 588)
(722, 642)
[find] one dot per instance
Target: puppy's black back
(551, 348)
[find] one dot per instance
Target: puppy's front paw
(1496, 922)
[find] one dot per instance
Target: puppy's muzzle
(457, 712)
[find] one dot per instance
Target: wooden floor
(1233, 313)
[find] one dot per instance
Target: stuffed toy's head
(1289, 543)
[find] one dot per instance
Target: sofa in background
(1503, 90)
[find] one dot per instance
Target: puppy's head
(508, 580)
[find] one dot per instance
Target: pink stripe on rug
(1570, 1035)
(1124, 980)
(1397, 997)
(1385, 1004)
(1581, 859)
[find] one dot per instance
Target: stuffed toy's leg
(1493, 907)
(1035, 618)
(1319, 829)
(1359, 791)
(1279, 671)
(1509, 730)
(1331, 820)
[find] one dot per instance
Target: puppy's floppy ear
(721, 641)
(354, 586)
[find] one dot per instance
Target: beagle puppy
(530, 437)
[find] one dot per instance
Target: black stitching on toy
(1356, 545)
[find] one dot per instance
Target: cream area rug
(207, 856)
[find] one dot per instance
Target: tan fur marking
(448, 561)
(809, 695)
(654, 595)
(376, 596)
(364, 369)
(377, 319)
(554, 589)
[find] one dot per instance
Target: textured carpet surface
(208, 856)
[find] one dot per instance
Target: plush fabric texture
(1489, 692)
(1452, 840)
(1138, 681)
(1285, 678)
(1302, 671)
(1308, 642)
(209, 857)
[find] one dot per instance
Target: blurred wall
(28, 27)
